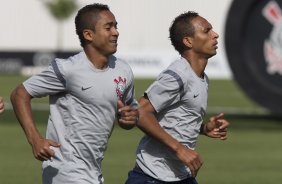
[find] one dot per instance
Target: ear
(188, 42)
(88, 34)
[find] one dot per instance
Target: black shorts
(137, 176)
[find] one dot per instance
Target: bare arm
(21, 102)
(2, 107)
(149, 124)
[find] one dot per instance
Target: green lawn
(251, 155)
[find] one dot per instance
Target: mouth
(114, 41)
(215, 45)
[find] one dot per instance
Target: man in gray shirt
(173, 107)
(86, 92)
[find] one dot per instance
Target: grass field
(251, 155)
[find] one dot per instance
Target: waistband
(188, 180)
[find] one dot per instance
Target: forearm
(1, 104)
(20, 100)
(151, 127)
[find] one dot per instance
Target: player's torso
(193, 92)
(97, 87)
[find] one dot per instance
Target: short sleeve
(44, 83)
(166, 90)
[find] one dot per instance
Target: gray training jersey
(179, 97)
(83, 107)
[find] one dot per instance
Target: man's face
(204, 39)
(106, 34)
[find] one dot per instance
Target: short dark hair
(87, 18)
(182, 26)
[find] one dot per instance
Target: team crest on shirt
(120, 88)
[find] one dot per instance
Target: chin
(213, 53)
(112, 52)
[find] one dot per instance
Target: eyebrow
(208, 28)
(111, 23)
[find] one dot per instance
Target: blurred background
(245, 80)
(37, 26)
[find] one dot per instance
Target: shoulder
(177, 69)
(63, 68)
(72, 60)
(119, 64)
(71, 63)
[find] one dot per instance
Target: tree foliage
(61, 9)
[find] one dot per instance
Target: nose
(115, 32)
(215, 34)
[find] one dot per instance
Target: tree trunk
(60, 35)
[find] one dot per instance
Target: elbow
(13, 96)
(19, 94)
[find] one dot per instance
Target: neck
(99, 60)
(198, 64)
